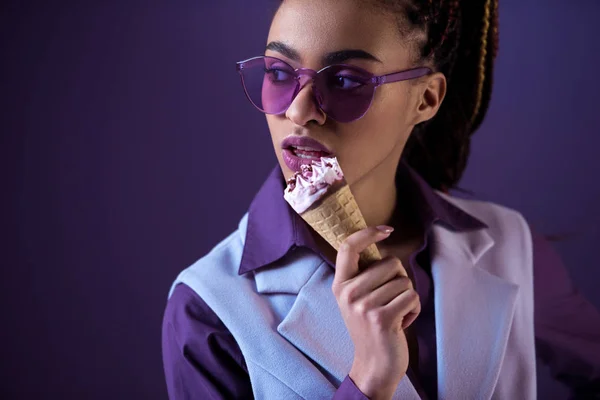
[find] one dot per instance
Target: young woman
(465, 297)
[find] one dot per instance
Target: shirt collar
(274, 227)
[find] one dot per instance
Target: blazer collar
(274, 228)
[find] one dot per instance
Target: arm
(202, 359)
(200, 356)
(567, 326)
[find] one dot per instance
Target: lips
(299, 150)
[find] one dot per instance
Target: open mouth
(308, 153)
(302, 150)
(295, 157)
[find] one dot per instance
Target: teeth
(305, 148)
(302, 156)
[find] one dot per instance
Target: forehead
(314, 28)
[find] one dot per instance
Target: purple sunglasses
(343, 92)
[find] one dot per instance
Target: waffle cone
(336, 217)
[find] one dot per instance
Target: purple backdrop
(123, 124)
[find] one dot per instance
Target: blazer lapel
(473, 311)
(315, 326)
(282, 284)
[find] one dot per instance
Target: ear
(430, 95)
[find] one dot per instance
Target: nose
(305, 107)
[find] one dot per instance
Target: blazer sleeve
(567, 326)
(200, 356)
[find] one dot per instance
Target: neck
(379, 205)
(376, 192)
(377, 198)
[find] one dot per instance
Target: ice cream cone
(337, 216)
(320, 194)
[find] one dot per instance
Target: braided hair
(462, 43)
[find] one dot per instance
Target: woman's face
(368, 148)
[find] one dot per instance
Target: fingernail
(385, 228)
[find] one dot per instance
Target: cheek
(380, 134)
(272, 124)
(277, 131)
(392, 104)
(387, 120)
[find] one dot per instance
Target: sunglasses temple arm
(403, 76)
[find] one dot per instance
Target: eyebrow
(335, 57)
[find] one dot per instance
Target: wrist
(372, 387)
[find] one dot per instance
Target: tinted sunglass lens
(269, 84)
(346, 93)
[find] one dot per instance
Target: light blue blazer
(287, 324)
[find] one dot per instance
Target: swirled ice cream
(320, 194)
(312, 183)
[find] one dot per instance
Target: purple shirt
(202, 359)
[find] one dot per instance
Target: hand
(377, 304)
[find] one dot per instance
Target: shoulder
(187, 314)
(222, 261)
(502, 221)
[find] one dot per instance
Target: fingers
(378, 274)
(384, 294)
(381, 272)
(407, 305)
(346, 264)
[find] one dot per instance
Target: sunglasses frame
(370, 79)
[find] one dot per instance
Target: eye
(346, 82)
(278, 75)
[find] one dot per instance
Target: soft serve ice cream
(320, 194)
(312, 183)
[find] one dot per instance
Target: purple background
(128, 150)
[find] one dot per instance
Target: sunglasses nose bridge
(305, 76)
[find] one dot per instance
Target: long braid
(482, 62)
(490, 44)
(462, 43)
